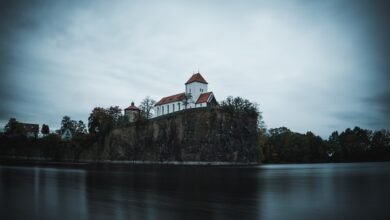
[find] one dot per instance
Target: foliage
(11, 126)
(45, 129)
(75, 127)
(146, 107)
(238, 105)
(241, 107)
(281, 145)
(101, 120)
(81, 128)
(14, 128)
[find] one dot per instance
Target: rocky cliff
(200, 135)
(192, 135)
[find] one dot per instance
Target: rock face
(191, 135)
(194, 135)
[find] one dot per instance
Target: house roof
(132, 107)
(196, 78)
(30, 127)
(203, 97)
(172, 98)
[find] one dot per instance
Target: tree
(355, 143)
(68, 123)
(10, 127)
(13, 127)
(45, 129)
(101, 120)
(186, 100)
(333, 149)
(146, 107)
(81, 128)
(96, 120)
(238, 105)
(114, 114)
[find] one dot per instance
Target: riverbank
(45, 161)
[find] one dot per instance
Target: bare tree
(187, 99)
(146, 107)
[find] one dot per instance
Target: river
(291, 191)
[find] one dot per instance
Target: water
(307, 191)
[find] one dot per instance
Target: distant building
(132, 112)
(195, 96)
(66, 134)
(29, 130)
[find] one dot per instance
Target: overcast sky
(313, 66)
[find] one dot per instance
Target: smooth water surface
(305, 191)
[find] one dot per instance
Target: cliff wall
(192, 135)
(205, 135)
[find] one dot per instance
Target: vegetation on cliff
(232, 132)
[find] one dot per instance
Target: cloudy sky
(311, 65)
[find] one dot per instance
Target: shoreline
(21, 160)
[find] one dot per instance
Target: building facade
(195, 96)
(132, 112)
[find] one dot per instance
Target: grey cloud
(309, 63)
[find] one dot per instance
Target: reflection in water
(172, 192)
(309, 191)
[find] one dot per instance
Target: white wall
(158, 110)
(196, 88)
(168, 108)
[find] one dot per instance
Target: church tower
(195, 86)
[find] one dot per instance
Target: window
(173, 107)
(179, 105)
(190, 90)
(167, 109)
(162, 110)
(158, 111)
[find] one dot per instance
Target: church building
(195, 96)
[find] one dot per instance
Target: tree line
(281, 145)
(276, 145)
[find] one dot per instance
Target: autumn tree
(102, 120)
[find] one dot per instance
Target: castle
(195, 96)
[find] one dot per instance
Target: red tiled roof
(132, 107)
(172, 98)
(203, 97)
(196, 78)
